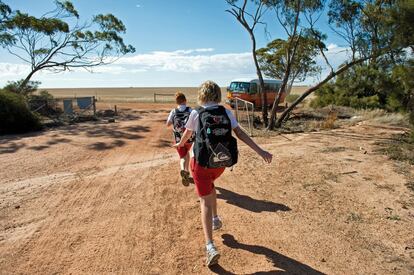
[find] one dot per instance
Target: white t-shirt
(192, 123)
(172, 113)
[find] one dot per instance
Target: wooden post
(116, 111)
(94, 105)
(155, 97)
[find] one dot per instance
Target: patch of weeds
(354, 217)
(390, 215)
(400, 147)
(329, 122)
(394, 218)
(333, 149)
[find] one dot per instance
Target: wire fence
(244, 112)
(65, 108)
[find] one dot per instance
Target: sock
(209, 245)
(216, 218)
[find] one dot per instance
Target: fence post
(155, 97)
(237, 108)
(94, 105)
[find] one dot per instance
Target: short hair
(180, 98)
(209, 92)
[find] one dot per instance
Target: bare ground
(106, 198)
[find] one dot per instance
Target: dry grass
(382, 117)
(330, 120)
(127, 94)
(400, 148)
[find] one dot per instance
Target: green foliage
(15, 116)
(5, 13)
(402, 15)
(273, 58)
(23, 90)
(369, 86)
(43, 95)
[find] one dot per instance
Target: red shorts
(204, 177)
(182, 151)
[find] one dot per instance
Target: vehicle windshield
(240, 87)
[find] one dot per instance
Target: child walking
(214, 149)
(178, 118)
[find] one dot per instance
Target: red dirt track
(103, 197)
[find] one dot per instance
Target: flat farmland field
(142, 94)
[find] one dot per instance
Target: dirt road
(106, 198)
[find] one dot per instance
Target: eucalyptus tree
(298, 44)
(372, 37)
(250, 20)
(59, 41)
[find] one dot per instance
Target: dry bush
(329, 122)
(379, 116)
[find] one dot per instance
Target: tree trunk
(290, 59)
(263, 94)
(277, 99)
(28, 77)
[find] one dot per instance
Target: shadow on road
(284, 264)
(249, 203)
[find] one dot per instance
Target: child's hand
(177, 145)
(266, 156)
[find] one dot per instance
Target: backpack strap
(200, 109)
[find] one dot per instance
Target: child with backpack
(178, 118)
(214, 149)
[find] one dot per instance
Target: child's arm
(246, 139)
(169, 122)
(186, 136)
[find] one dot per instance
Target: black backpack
(214, 145)
(179, 119)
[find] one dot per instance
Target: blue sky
(178, 43)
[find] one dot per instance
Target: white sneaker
(212, 255)
(217, 224)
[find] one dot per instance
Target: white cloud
(179, 67)
(191, 60)
(8, 70)
(138, 5)
(184, 67)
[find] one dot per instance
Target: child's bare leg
(186, 162)
(214, 210)
(182, 164)
(206, 204)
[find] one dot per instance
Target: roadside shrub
(43, 95)
(17, 88)
(329, 122)
(389, 87)
(15, 116)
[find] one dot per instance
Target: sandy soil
(101, 198)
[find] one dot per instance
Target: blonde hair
(209, 92)
(180, 98)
